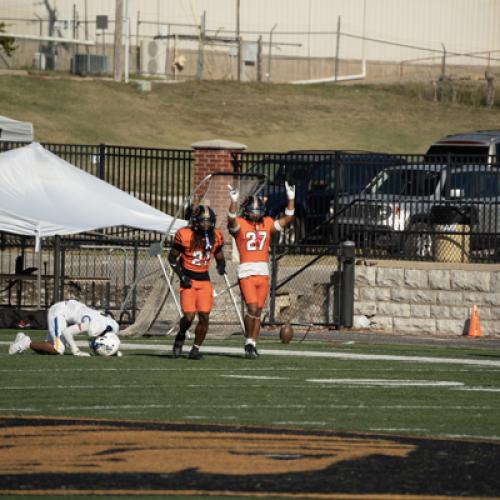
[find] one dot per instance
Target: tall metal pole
(127, 41)
(337, 50)
(238, 38)
(117, 52)
(201, 47)
(259, 59)
(270, 53)
(86, 27)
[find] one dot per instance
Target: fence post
(337, 295)
(336, 191)
(102, 162)
(347, 284)
(134, 294)
(62, 270)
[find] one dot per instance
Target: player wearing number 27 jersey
(252, 234)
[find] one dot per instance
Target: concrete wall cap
(219, 144)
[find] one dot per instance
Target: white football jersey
(75, 312)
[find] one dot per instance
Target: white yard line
(323, 354)
(245, 407)
(479, 389)
(256, 377)
(385, 382)
(238, 351)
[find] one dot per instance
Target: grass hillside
(262, 116)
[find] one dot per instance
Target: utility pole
(117, 52)
(238, 38)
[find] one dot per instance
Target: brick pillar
(210, 157)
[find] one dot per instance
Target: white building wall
(463, 26)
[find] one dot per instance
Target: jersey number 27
(255, 240)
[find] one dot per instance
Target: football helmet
(203, 218)
(105, 345)
(254, 208)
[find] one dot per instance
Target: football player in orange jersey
(252, 234)
(189, 257)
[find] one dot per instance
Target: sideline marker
(474, 323)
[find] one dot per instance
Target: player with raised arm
(190, 258)
(65, 320)
(252, 234)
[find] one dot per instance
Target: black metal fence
(408, 207)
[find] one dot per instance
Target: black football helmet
(203, 218)
(254, 208)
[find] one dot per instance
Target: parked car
(393, 211)
(314, 175)
(468, 147)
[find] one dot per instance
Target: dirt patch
(84, 456)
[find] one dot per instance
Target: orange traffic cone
(474, 323)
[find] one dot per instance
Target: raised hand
(234, 193)
(290, 191)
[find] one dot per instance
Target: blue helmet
(203, 218)
(254, 208)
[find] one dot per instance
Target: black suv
(314, 174)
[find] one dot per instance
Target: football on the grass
(286, 333)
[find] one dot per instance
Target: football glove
(221, 266)
(234, 194)
(185, 281)
(290, 191)
(81, 354)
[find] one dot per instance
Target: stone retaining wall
(427, 301)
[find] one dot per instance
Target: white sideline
(238, 351)
(322, 354)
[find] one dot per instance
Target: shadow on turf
(185, 356)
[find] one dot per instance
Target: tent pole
(39, 278)
(57, 268)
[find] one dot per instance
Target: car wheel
(419, 241)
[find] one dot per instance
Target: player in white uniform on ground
(66, 319)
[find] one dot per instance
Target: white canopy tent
(13, 130)
(43, 195)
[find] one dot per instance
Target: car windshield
(475, 184)
(405, 182)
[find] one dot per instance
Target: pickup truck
(393, 212)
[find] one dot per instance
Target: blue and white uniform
(63, 315)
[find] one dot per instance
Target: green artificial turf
(454, 399)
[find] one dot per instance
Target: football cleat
(251, 351)
(195, 354)
(178, 345)
(21, 343)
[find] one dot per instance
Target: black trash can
(451, 226)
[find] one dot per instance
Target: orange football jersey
(253, 239)
(196, 259)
